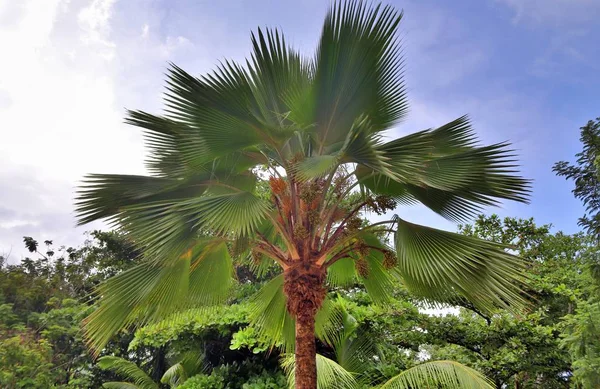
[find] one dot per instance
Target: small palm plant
(313, 128)
(188, 364)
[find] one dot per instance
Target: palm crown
(313, 128)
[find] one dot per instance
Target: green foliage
(439, 266)
(583, 343)
(439, 374)
(40, 332)
(313, 127)
(237, 376)
(222, 320)
(524, 350)
(128, 370)
(585, 172)
(25, 361)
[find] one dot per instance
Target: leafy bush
(237, 376)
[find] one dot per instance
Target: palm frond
(151, 291)
(358, 70)
(268, 314)
(316, 166)
(354, 348)
(447, 172)
(190, 363)
(342, 273)
(439, 374)
(442, 266)
(378, 281)
(127, 369)
(163, 216)
(270, 318)
(214, 112)
(278, 74)
(174, 376)
(329, 373)
(119, 385)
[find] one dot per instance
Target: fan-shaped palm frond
(439, 374)
(127, 369)
(189, 364)
(329, 373)
(442, 266)
(150, 291)
(119, 385)
(269, 316)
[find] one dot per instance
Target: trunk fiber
(305, 291)
(306, 364)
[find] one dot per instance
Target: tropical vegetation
(266, 248)
(314, 128)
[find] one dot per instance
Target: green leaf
(151, 291)
(270, 318)
(444, 170)
(119, 385)
(126, 369)
(354, 348)
(329, 373)
(379, 281)
(342, 273)
(442, 266)
(315, 167)
(439, 374)
(358, 70)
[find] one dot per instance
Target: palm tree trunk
(306, 363)
(304, 287)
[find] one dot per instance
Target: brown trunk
(303, 286)
(306, 352)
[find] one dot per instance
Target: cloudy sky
(525, 70)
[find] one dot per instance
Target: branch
(276, 250)
(340, 228)
(271, 255)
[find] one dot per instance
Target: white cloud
(59, 114)
(94, 23)
(145, 30)
(173, 43)
(554, 12)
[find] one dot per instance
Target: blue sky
(525, 70)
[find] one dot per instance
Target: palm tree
(313, 128)
(354, 352)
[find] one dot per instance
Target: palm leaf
(442, 266)
(439, 374)
(190, 363)
(164, 216)
(278, 74)
(174, 376)
(126, 369)
(342, 273)
(329, 373)
(119, 385)
(150, 291)
(269, 316)
(444, 170)
(354, 348)
(378, 281)
(358, 71)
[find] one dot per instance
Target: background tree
(42, 302)
(584, 333)
(315, 125)
(585, 172)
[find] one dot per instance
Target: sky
(526, 71)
